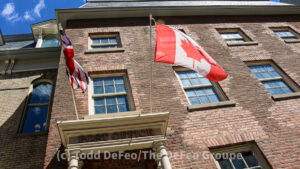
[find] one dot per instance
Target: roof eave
(63, 15)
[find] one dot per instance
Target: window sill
(104, 50)
(243, 44)
(286, 96)
(292, 41)
(99, 116)
(210, 105)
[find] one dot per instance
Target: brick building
(254, 113)
(28, 65)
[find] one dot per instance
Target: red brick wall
(273, 125)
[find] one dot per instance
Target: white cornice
(75, 128)
(63, 15)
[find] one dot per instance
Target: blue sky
(16, 16)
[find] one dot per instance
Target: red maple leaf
(190, 50)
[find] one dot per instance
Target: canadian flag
(175, 47)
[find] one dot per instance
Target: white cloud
(8, 9)
(27, 16)
(37, 9)
(9, 13)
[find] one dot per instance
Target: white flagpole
(74, 102)
(150, 91)
(72, 90)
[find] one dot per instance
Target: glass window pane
(194, 100)
(274, 74)
(35, 120)
(225, 164)
(266, 75)
(277, 87)
(284, 33)
(112, 109)
(205, 81)
(109, 89)
(190, 92)
(195, 82)
(108, 81)
(182, 75)
(238, 163)
(104, 41)
(99, 110)
(210, 91)
(264, 71)
(186, 83)
(96, 41)
(110, 100)
(250, 159)
(214, 99)
(50, 43)
(192, 74)
(113, 40)
(287, 90)
(200, 91)
(122, 100)
(98, 82)
(119, 80)
(99, 101)
(120, 88)
(204, 99)
(98, 90)
(41, 93)
(123, 108)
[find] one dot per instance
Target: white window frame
(214, 85)
(91, 94)
(241, 148)
(104, 35)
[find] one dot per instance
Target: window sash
(206, 96)
(106, 95)
(117, 104)
(243, 161)
(104, 41)
(201, 86)
(285, 34)
(233, 37)
(272, 90)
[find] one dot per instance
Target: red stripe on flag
(165, 44)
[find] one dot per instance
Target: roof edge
(63, 15)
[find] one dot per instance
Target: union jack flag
(77, 76)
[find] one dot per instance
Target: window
(50, 41)
(233, 36)
(198, 89)
(286, 33)
(104, 41)
(271, 79)
(246, 156)
(110, 95)
(37, 108)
